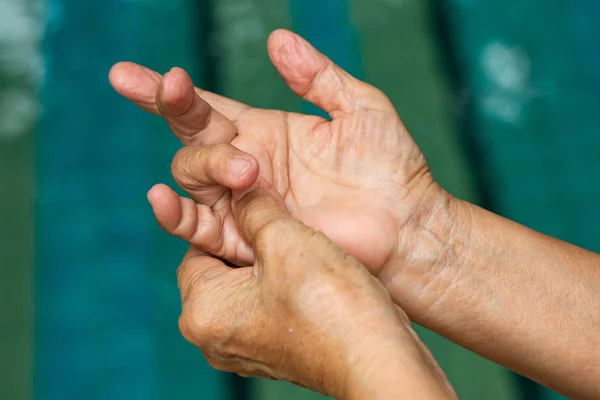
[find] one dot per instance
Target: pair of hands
(263, 183)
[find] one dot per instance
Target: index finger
(139, 84)
(194, 115)
(196, 268)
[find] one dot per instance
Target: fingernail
(239, 166)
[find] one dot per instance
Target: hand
(359, 178)
(306, 312)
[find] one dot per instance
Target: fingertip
(157, 193)
(283, 39)
(181, 74)
(176, 93)
(114, 71)
(277, 37)
(296, 60)
(136, 83)
(166, 206)
(280, 44)
(117, 75)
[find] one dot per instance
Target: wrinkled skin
(294, 314)
(358, 178)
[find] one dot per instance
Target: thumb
(319, 81)
(257, 211)
(278, 238)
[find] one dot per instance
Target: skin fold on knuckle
(188, 224)
(184, 162)
(191, 276)
(183, 272)
(200, 326)
(278, 236)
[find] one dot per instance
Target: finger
(139, 84)
(181, 217)
(257, 210)
(318, 80)
(195, 270)
(188, 110)
(191, 118)
(205, 172)
(196, 224)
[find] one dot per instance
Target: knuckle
(203, 230)
(185, 329)
(181, 270)
(192, 166)
(270, 232)
(180, 166)
(375, 91)
(215, 361)
(188, 223)
(190, 278)
(186, 273)
(279, 241)
(221, 149)
(199, 327)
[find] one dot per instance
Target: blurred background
(503, 96)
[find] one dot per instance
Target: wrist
(425, 245)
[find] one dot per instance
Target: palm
(358, 178)
(349, 178)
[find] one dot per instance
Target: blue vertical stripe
(326, 25)
(583, 23)
(94, 320)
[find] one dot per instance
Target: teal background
(502, 96)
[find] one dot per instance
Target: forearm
(522, 299)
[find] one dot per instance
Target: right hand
(305, 312)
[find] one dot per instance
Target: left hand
(359, 178)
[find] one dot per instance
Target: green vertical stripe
(242, 28)
(94, 301)
(16, 264)
(326, 25)
(20, 72)
(400, 58)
